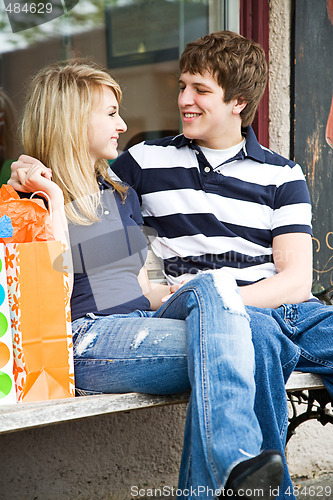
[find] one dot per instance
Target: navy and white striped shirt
(206, 219)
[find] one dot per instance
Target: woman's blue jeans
(200, 339)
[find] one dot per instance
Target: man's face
(204, 114)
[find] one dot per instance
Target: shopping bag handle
(48, 200)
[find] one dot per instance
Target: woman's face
(104, 126)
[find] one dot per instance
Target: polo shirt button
(106, 212)
(207, 169)
(196, 151)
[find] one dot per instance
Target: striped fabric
(208, 218)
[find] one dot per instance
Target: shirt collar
(180, 141)
(103, 183)
(252, 148)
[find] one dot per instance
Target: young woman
(199, 339)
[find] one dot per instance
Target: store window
(139, 40)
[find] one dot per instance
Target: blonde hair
(55, 130)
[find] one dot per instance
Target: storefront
(139, 40)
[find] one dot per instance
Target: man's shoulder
(280, 169)
(159, 153)
(174, 141)
(273, 158)
(154, 154)
(262, 154)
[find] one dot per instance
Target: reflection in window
(156, 30)
(139, 40)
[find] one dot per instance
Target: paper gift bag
(29, 218)
(7, 385)
(39, 301)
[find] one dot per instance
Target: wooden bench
(304, 390)
(301, 388)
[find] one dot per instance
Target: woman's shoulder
(127, 200)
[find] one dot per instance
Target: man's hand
(173, 289)
(20, 169)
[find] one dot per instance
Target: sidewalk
(320, 487)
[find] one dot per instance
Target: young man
(217, 198)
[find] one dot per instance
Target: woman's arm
(292, 254)
(32, 180)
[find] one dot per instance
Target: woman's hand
(35, 178)
(20, 169)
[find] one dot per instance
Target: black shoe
(258, 477)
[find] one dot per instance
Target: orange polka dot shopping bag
(36, 359)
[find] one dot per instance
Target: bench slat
(29, 415)
(304, 381)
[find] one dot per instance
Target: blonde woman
(121, 342)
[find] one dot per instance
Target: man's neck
(222, 142)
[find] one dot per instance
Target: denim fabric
(199, 339)
(291, 337)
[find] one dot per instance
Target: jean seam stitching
(318, 361)
(204, 387)
(82, 330)
(292, 361)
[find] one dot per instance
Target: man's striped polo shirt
(206, 218)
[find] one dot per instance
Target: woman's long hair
(55, 130)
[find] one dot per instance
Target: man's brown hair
(238, 65)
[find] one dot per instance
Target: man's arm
(292, 254)
(154, 292)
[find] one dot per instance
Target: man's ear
(238, 106)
